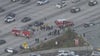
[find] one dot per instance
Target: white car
(63, 54)
(10, 17)
(33, 54)
(41, 2)
(63, 51)
(61, 5)
(95, 53)
(11, 50)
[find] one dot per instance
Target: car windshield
(26, 18)
(9, 17)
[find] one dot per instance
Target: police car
(10, 17)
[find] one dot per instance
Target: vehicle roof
(61, 19)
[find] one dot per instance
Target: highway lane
(95, 42)
(4, 2)
(89, 20)
(92, 33)
(15, 7)
(10, 7)
(17, 23)
(25, 12)
(86, 10)
(28, 10)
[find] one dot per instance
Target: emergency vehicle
(22, 32)
(63, 22)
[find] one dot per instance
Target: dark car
(75, 9)
(75, 1)
(11, 50)
(92, 2)
(37, 23)
(25, 19)
(25, 1)
(1, 10)
(2, 42)
(10, 17)
(15, 0)
(88, 24)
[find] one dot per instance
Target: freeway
(92, 33)
(53, 52)
(10, 44)
(10, 26)
(18, 41)
(25, 11)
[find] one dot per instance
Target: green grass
(64, 41)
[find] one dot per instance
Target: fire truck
(63, 22)
(17, 31)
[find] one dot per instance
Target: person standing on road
(83, 34)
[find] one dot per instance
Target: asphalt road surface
(37, 13)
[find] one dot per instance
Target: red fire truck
(22, 32)
(63, 22)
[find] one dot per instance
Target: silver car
(11, 50)
(33, 54)
(41, 2)
(10, 17)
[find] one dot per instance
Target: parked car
(11, 50)
(92, 2)
(25, 19)
(41, 2)
(2, 42)
(38, 23)
(33, 54)
(10, 17)
(75, 9)
(1, 10)
(61, 5)
(25, 1)
(88, 24)
(15, 0)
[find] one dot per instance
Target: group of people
(54, 32)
